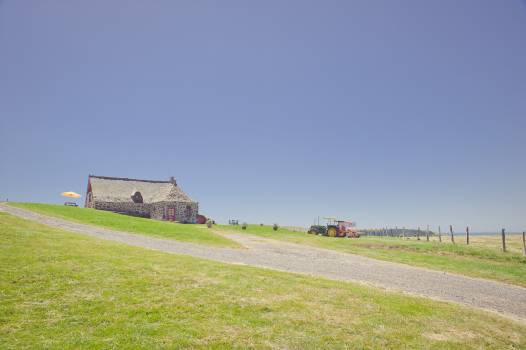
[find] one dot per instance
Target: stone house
(160, 200)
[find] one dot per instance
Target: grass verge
(162, 229)
(67, 291)
(476, 260)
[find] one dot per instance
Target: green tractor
(318, 230)
(335, 228)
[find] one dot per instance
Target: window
(136, 197)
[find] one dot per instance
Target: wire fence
(515, 242)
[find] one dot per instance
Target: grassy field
(67, 291)
(181, 232)
(482, 258)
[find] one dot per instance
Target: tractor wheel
(332, 232)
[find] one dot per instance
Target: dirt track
(505, 299)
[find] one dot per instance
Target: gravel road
(502, 298)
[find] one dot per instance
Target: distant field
(181, 232)
(68, 291)
(492, 242)
(482, 258)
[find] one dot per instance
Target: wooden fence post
(503, 240)
(439, 235)
(523, 243)
(427, 233)
(467, 235)
(451, 232)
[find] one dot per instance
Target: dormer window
(137, 197)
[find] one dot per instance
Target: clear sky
(387, 112)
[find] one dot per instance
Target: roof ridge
(128, 179)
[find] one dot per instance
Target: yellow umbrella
(70, 194)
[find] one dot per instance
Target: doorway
(171, 214)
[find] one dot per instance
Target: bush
(244, 226)
(209, 223)
(275, 227)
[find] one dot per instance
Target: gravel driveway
(505, 299)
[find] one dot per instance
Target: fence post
(503, 240)
(467, 234)
(439, 235)
(523, 243)
(451, 232)
(427, 233)
(418, 234)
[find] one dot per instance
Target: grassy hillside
(181, 232)
(63, 290)
(480, 259)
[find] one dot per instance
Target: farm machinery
(335, 228)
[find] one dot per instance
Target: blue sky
(390, 113)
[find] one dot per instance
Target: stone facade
(184, 211)
(133, 209)
(160, 200)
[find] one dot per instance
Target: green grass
(62, 290)
(181, 232)
(476, 260)
(481, 259)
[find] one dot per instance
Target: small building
(160, 200)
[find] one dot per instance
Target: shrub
(275, 227)
(244, 226)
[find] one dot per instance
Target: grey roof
(115, 189)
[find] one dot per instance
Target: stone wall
(89, 200)
(158, 211)
(185, 212)
(128, 208)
